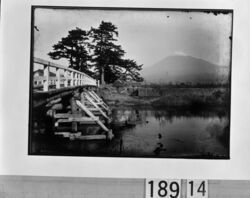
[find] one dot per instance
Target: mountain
(185, 69)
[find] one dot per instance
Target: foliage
(74, 47)
(96, 50)
(108, 56)
(131, 70)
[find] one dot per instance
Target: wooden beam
(92, 137)
(81, 120)
(71, 79)
(81, 137)
(89, 113)
(102, 103)
(58, 80)
(66, 115)
(96, 106)
(46, 77)
(53, 102)
(65, 73)
(93, 95)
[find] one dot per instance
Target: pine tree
(107, 54)
(131, 69)
(97, 48)
(74, 48)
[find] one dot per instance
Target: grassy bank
(194, 98)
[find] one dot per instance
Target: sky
(146, 36)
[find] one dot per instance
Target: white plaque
(163, 188)
(197, 188)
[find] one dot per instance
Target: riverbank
(193, 98)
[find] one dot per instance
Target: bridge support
(84, 110)
(87, 108)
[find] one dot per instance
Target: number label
(159, 188)
(197, 189)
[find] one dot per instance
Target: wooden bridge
(63, 77)
(67, 96)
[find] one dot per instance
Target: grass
(175, 97)
(193, 97)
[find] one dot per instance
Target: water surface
(150, 133)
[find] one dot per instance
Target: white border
(15, 21)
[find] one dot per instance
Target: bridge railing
(63, 77)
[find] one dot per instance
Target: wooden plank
(96, 106)
(69, 134)
(103, 103)
(92, 137)
(89, 113)
(64, 134)
(66, 115)
(78, 136)
(99, 100)
(93, 109)
(53, 102)
(82, 121)
(93, 95)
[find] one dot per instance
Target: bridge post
(71, 79)
(65, 73)
(58, 78)
(78, 80)
(81, 77)
(75, 84)
(46, 76)
(75, 79)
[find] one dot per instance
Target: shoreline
(174, 98)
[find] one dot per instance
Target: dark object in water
(160, 145)
(159, 136)
(159, 149)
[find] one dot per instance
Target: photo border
(213, 11)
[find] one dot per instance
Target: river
(156, 133)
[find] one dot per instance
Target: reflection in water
(161, 133)
(154, 133)
(159, 149)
